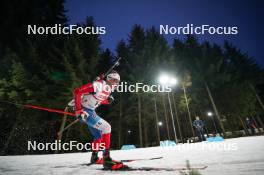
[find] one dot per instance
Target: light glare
(164, 79)
(209, 114)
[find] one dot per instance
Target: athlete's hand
(110, 99)
(81, 114)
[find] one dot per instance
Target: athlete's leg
(91, 120)
(100, 129)
(104, 128)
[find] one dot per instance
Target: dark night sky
(118, 16)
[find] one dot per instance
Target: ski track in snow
(247, 159)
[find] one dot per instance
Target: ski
(124, 160)
(128, 168)
(132, 160)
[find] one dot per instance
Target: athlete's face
(113, 83)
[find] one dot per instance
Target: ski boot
(110, 164)
(95, 159)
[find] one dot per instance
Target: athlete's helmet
(113, 76)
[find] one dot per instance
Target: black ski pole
(111, 68)
(68, 126)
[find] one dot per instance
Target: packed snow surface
(238, 156)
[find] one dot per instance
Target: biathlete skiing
(87, 98)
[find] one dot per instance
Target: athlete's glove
(110, 99)
(81, 114)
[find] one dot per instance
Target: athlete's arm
(78, 92)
